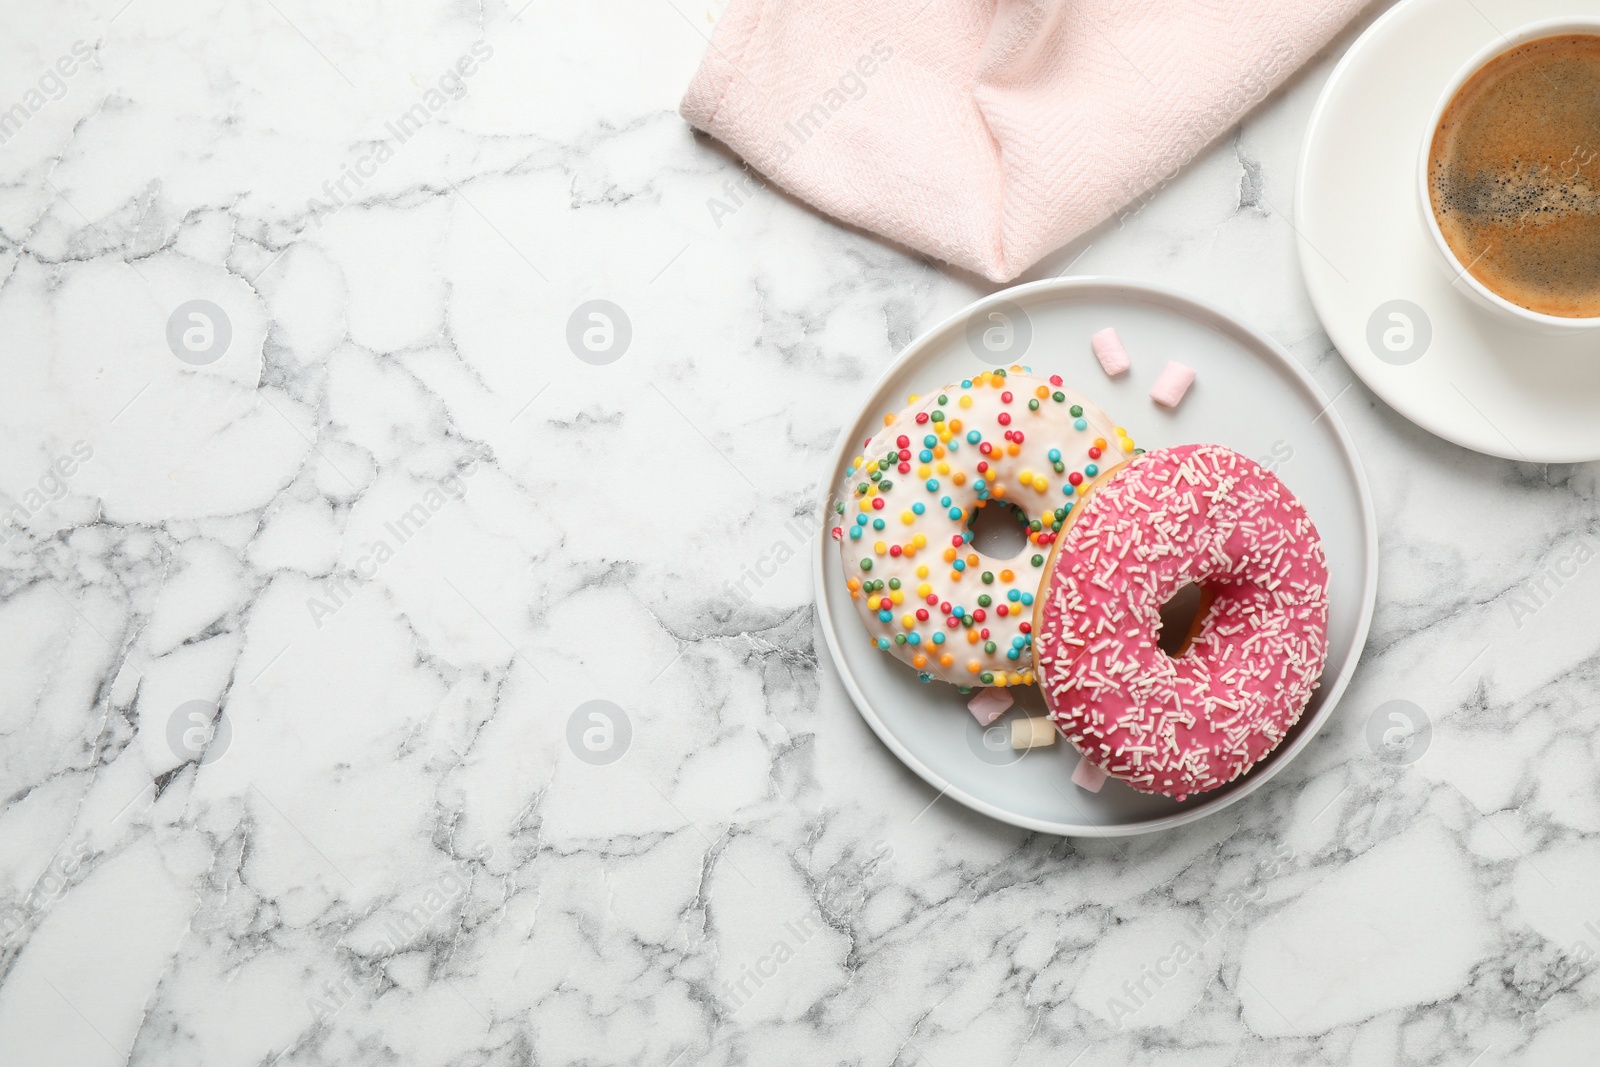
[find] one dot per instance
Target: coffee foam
(1514, 175)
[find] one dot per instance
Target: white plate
(1466, 375)
(1249, 395)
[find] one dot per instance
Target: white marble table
(402, 535)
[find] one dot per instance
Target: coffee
(1514, 175)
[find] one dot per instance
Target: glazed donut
(1199, 514)
(905, 516)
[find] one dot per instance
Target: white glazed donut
(906, 511)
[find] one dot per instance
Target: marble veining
(426, 671)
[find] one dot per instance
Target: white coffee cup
(1462, 278)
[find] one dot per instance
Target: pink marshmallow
(1172, 383)
(989, 704)
(1088, 776)
(1109, 351)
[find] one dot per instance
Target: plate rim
(1370, 373)
(1194, 308)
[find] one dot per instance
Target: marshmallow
(990, 704)
(1032, 732)
(1109, 351)
(1172, 383)
(1088, 776)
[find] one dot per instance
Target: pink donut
(1199, 514)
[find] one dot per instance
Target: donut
(1200, 514)
(927, 596)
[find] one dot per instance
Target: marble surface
(404, 539)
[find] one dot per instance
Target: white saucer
(1453, 368)
(1249, 395)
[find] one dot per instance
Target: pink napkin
(989, 134)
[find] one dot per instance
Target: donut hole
(1000, 530)
(1181, 618)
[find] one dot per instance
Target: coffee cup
(1461, 273)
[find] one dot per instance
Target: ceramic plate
(1378, 282)
(1250, 395)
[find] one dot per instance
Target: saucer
(1378, 283)
(1249, 394)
